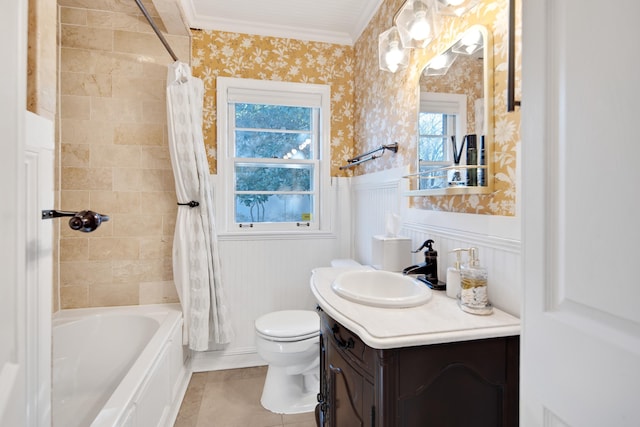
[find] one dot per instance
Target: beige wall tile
(139, 134)
(114, 155)
(76, 296)
(158, 293)
(77, 273)
(139, 88)
(75, 107)
(113, 294)
(116, 110)
(86, 38)
(100, 19)
(110, 156)
(127, 179)
(72, 200)
(116, 201)
(113, 248)
(138, 43)
(84, 84)
(159, 202)
(74, 249)
(156, 247)
(74, 131)
(145, 224)
(154, 112)
(87, 179)
(155, 158)
(75, 155)
(138, 271)
(169, 223)
(72, 15)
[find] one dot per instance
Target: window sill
(276, 235)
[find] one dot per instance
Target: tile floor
(231, 398)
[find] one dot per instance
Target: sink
(381, 289)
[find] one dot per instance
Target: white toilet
(289, 342)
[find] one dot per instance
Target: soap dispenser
(453, 275)
(474, 297)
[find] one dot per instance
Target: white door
(13, 377)
(581, 235)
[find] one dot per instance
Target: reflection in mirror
(454, 113)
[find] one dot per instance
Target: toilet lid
(289, 325)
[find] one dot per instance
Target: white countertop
(440, 320)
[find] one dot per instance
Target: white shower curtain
(196, 265)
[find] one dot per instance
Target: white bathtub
(118, 366)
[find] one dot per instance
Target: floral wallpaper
(370, 107)
(217, 53)
(464, 77)
(387, 106)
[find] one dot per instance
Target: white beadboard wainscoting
(266, 273)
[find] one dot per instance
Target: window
(442, 117)
(273, 155)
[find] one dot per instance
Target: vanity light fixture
(391, 54)
(455, 7)
(439, 65)
(470, 43)
(416, 22)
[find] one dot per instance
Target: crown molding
(203, 22)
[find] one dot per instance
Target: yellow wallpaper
(222, 54)
(387, 106)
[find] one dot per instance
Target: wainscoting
(264, 273)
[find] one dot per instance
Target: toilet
(288, 341)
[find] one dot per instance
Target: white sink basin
(381, 289)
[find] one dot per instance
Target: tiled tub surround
(118, 366)
(113, 155)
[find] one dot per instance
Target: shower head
(85, 221)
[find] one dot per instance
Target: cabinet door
(350, 395)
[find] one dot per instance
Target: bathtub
(118, 366)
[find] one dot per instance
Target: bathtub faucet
(85, 221)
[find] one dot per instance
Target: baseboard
(202, 361)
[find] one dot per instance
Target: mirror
(455, 119)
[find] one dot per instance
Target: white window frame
(276, 93)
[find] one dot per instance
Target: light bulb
(455, 2)
(420, 28)
(471, 38)
(438, 62)
(394, 55)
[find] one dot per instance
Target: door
(13, 378)
(581, 317)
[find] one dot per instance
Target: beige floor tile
(188, 414)
(232, 399)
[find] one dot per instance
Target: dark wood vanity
(470, 383)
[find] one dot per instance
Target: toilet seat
(288, 325)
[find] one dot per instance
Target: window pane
(431, 124)
(273, 145)
(259, 116)
(274, 208)
(273, 178)
(432, 149)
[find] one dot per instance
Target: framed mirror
(455, 119)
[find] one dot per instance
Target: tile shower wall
(114, 157)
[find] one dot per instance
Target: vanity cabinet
(465, 383)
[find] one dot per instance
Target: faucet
(428, 268)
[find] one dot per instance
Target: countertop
(440, 320)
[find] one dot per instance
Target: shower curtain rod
(155, 28)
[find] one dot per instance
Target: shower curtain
(196, 264)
